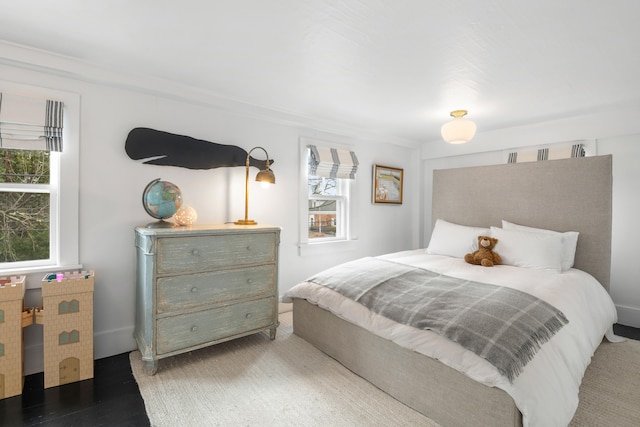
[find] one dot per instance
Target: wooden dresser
(203, 284)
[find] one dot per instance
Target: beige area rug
(610, 390)
(253, 381)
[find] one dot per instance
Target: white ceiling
(393, 67)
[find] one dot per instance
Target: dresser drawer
(192, 329)
(194, 290)
(203, 253)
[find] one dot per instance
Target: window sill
(323, 248)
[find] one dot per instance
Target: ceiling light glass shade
(459, 130)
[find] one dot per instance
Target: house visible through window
(328, 203)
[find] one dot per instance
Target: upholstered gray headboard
(560, 195)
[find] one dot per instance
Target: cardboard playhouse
(66, 316)
(67, 319)
(11, 349)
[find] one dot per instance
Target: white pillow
(528, 249)
(454, 240)
(569, 241)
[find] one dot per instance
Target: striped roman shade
(30, 123)
(330, 162)
(575, 150)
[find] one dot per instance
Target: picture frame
(387, 184)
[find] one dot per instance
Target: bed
(444, 380)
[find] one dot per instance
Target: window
(327, 189)
(25, 205)
(328, 204)
(39, 195)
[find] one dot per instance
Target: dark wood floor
(111, 398)
(627, 331)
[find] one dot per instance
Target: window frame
(348, 188)
(63, 188)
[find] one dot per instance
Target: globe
(161, 199)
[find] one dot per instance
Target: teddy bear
(484, 255)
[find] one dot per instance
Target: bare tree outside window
(24, 205)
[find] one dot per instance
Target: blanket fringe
(529, 349)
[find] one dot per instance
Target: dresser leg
(272, 332)
(151, 367)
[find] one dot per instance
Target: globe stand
(161, 224)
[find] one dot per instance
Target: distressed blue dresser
(203, 284)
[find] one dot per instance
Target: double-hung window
(328, 183)
(38, 182)
(328, 208)
(25, 206)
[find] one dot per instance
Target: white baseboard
(628, 316)
(105, 344)
(115, 341)
(284, 307)
(33, 359)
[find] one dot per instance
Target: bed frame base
(424, 384)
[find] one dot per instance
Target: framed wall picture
(387, 184)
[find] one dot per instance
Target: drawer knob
(248, 315)
(194, 328)
(195, 252)
(249, 281)
(194, 289)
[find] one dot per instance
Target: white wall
(625, 268)
(609, 136)
(111, 185)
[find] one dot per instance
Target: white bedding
(546, 392)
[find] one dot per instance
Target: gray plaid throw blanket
(502, 325)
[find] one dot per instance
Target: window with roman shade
(30, 123)
(329, 172)
(331, 162)
(34, 173)
(553, 153)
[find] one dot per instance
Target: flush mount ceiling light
(459, 130)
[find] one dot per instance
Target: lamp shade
(266, 176)
(459, 130)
